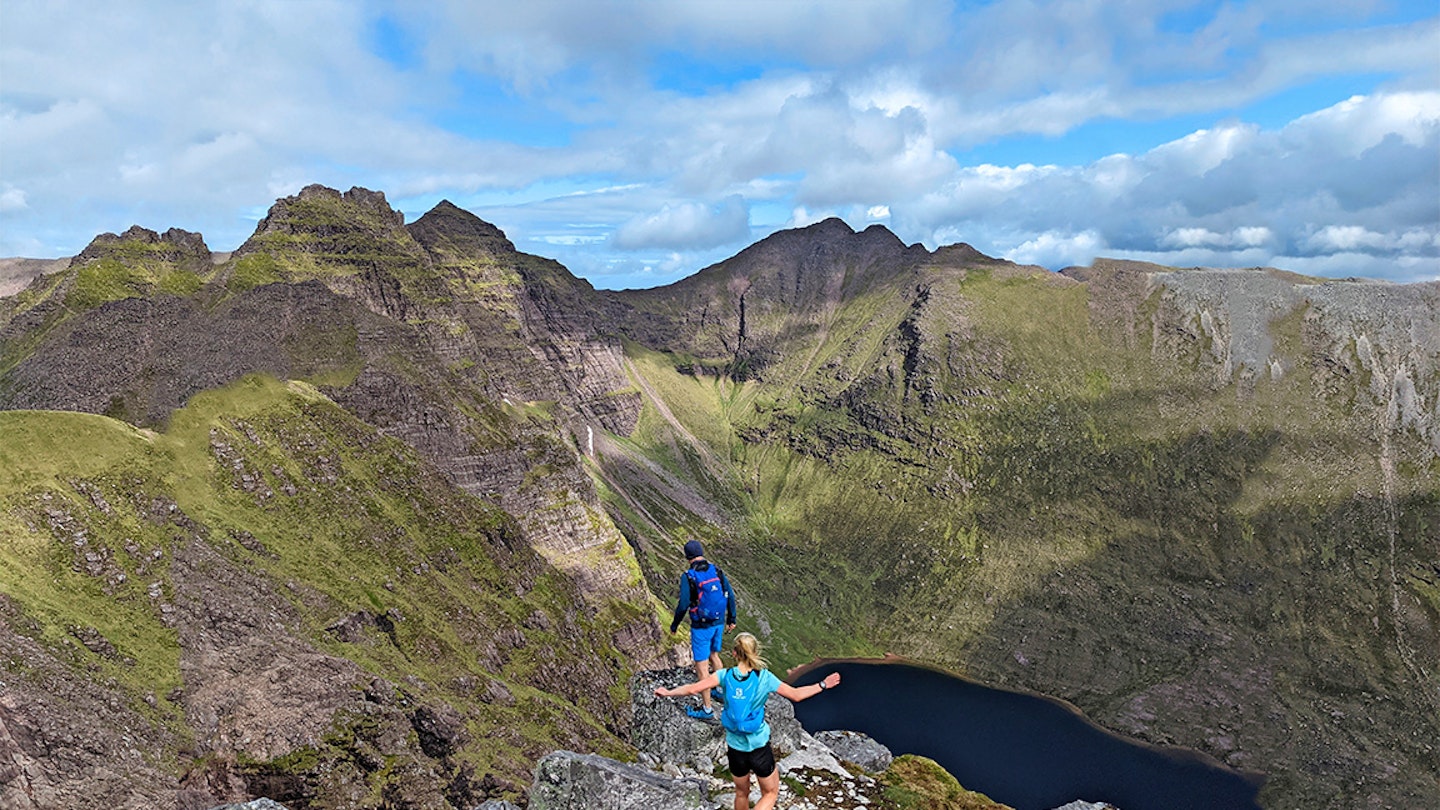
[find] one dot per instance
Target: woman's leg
(769, 791)
(742, 792)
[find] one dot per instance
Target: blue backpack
(741, 714)
(707, 595)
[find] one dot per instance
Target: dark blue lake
(1027, 751)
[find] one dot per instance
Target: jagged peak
(356, 194)
(448, 222)
(173, 245)
(324, 211)
(831, 234)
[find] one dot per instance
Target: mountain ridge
(1124, 486)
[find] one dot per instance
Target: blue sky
(638, 142)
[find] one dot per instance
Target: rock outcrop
(659, 726)
(857, 749)
(680, 757)
(570, 781)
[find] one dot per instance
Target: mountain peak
(449, 225)
(175, 245)
(321, 220)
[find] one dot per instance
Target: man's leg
(714, 664)
(702, 649)
(702, 671)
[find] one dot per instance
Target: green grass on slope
(285, 484)
(64, 475)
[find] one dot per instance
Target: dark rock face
(139, 359)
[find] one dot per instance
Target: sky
(638, 142)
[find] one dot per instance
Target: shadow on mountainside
(1283, 642)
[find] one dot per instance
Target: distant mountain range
(374, 513)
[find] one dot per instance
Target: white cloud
(570, 239)
(1245, 237)
(1252, 236)
(1342, 238)
(12, 199)
(803, 217)
(1055, 249)
(688, 225)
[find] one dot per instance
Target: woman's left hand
(832, 680)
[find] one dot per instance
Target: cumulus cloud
(687, 225)
(1235, 194)
(1058, 249)
(1245, 237)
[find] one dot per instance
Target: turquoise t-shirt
(748, 693)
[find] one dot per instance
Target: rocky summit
(376, 513)
(675, 770)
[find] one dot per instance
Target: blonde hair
(747, 652)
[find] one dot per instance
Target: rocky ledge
(680, 761)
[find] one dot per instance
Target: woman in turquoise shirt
(746, 687)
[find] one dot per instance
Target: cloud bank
(638, 142)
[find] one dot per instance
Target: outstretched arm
(690, 688)
(799, 693)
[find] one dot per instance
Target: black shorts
(761, 761)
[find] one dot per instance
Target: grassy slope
(357, 520)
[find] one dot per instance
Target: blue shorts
(706, 640)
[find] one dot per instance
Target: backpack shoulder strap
(694, 586)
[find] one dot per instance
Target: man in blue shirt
(706, 597)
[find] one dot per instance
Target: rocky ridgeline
(680, 757)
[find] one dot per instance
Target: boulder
(857, 749)
(568, 781)
(813, 758)
(660, 727)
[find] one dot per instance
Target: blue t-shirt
(749, 692)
